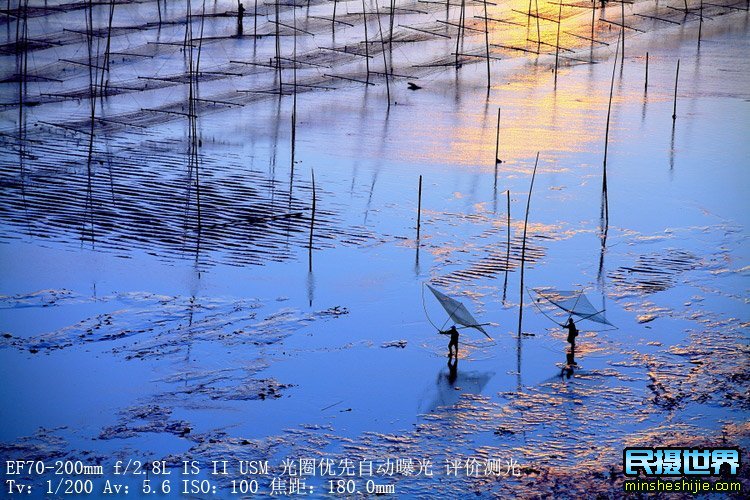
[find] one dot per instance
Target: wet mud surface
(170, 293)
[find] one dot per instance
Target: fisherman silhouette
(452, 370)
(572, 334)
(240, 14)
(453, 342)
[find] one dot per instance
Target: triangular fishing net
(573, 302)
(457, 312)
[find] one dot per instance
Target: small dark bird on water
(414, 86)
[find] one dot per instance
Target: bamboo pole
(367, 44)
(557, 43)
(538, 29)
(385, 61)
(523, 246)
(622, 22)
(676, 78)
(487, 46)
(294, 90)
(497, 141)
(461, 21)
(605, 204)
(419, 208)
(700, 25)
(645, 85)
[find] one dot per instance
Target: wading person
(240, 14)
(572, 334)
(453, 341)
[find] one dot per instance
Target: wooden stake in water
(557, 44)
(497, 140)
(605, 202)
(461, 29)
(278, 48)
(385, 62)
(523, 246)
(419, 207)
(487, 46)
(700, 25)
(622, 22)
(294, 90)
(676, 78)
(367, 44)
(645, 86)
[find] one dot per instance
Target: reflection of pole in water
(507, 248)
(671, 150)
(310, 287)
(312, 222)
(417, 269)
(518, 364)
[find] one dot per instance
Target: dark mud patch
(231, 384)
(44, 444)
(653, 272)
(144, 325)
(146, 419)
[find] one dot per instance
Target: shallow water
(131, 334)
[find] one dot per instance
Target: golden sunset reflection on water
(537, 114)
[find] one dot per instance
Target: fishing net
(575, 303)
(457, 312)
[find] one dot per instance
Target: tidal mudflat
(208, 234)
